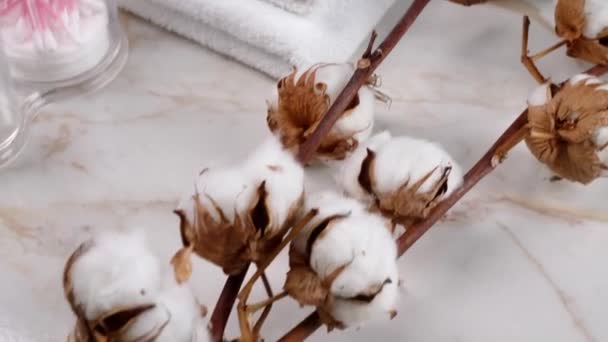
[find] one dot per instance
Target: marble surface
(518, 259)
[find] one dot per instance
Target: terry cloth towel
(294, 6)
(265, 36)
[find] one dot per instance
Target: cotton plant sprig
(401, 177)
(365, 67)
(488, 162)
(118, 292)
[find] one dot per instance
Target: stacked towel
(269, 35)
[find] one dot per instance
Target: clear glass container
(15, 115)
(62, 47)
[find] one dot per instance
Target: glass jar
(62, 46)
(15, 115)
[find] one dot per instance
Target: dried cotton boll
(115, 288)
(568, 128)
(344, 263)
(402, 177)
(108, 281)
(237, 215)
(112, 270)
(584, 24)
(302, 100)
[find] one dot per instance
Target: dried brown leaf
(182, 264)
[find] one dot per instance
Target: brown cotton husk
(561, 130)
(406, 204)
(230, 245)
(82, 331)
(302, 103)
(570, 21)
(305, 286)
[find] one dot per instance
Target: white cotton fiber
(346, 173)
(117, 271)
(404, 159)
(283, 175)
(596, 13)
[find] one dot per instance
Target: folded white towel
(265, 36)
(295, 6)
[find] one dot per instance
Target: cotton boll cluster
(584, 25)
(568, 130)
(302, 100)
(116, 289)
(402, 177)
(344, 263)
(239, 213)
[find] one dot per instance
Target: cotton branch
(370, 60)
(481, 169)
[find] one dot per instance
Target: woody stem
(481, 169)
(525, 59)
(258, 325)
(548, 50)
(246, 291)
(252, 308)
(224, 305)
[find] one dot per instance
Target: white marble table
(519, 259)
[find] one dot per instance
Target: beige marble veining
(519, 259)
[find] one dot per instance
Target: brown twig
(224, 305)
(365, 69)
(246, 332)
(482, 168)
(525, 59)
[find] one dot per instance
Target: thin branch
(224, 305)
(304, 329)
(481, 169)
(525, 59)
(246, 333)
(361, 75)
